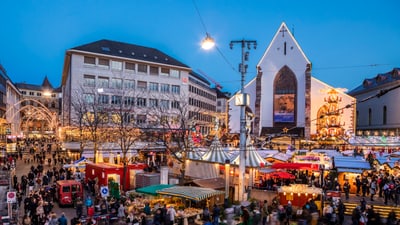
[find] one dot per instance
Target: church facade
(285, 99)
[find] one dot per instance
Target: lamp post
(242, 101)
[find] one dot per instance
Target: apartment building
(112, 73)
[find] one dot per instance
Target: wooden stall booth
(299, 194)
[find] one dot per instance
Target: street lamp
(242, 100)
(208, 42)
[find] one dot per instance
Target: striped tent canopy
(193, 155)
(216, 153)
(253, 159)
(190, 192)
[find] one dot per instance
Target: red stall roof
(295, 166)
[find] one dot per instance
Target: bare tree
(176, 118)
(90, 116)
(126, 108)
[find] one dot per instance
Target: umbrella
(282, 174)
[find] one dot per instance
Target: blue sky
(343, 39)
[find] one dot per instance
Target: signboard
(11, 197)
(104, 191)
(284, 108)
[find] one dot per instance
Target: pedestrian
(358, 185)
(265, 213)
(346, 189)
(157, 219)
(121, 211)
(341, 210)
(245, 216)
(216, 214)
(289, 212)
(62, 220)
(372, 189)
(171, 213)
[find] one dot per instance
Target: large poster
(284, 108)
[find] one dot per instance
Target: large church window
(285, 94)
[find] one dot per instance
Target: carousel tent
(253, 159)
(216, 154)
(190, 192)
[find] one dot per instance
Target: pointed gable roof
(46, 84)
(283, 33)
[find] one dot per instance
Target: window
(174, 73)
(103, 99)
(66, 189)
(116, 118)
(130, 66)
(53, 95)
(176, 89)
(23, 92)
(142, 68)
(104, 62)
(38, 94)
(128, 118)
(103, 117)
(129, 84)
(175, 104)
(164, 71)
(88, 98)
(103, 82)
(116, 65)
(153, 70)
(141, 102)
(369, 116)
(164, 88)
(153, 102)
(140, 119)
(142, 85)
(384, 115)
(116, 100)
(89, 81)
(31, 93)
(164, 104)
(153, 86)
(116, 83)
(129, 101)
(89, 60)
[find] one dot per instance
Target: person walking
(171, 213)
(346, 189)
(372, 189)
(62, 220)
(341, 210)
(358, 185)
(216, 214)
(265, 213)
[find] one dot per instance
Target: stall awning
(214, 183)
(295, 166)
(189, 192)
(349, 170)
(152, 190)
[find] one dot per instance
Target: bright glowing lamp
(208, 42)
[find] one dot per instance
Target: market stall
(299, 194)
